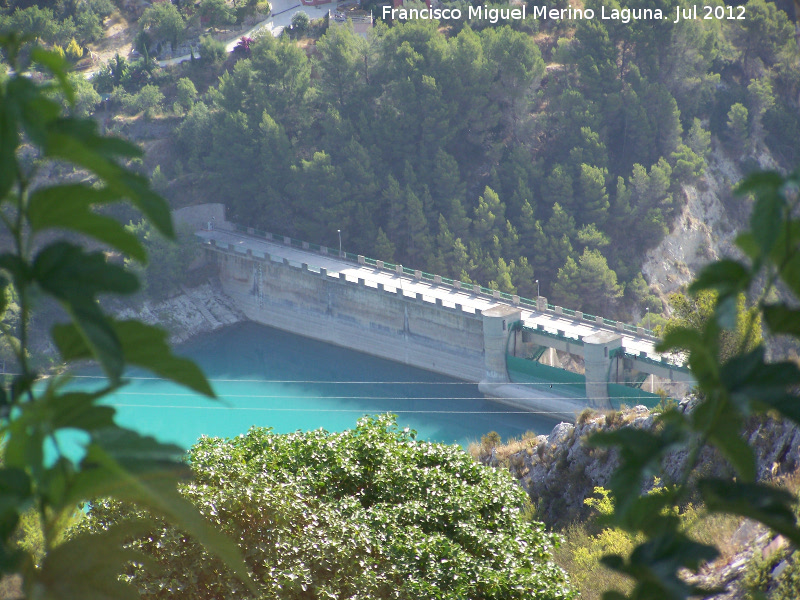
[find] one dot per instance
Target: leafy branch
(37, 472)
(730, 389)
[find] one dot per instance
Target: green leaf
(767, 213)
(663, 556)
(75, 277)
(681, 338)
(31, 108)
(758, 182)
(142, 345)
(763, 503)
(16, 267)
(78, 141)
(701, 347)
(750, 380)
(655, 563)
(24, 448)
(9, 133)
(58, 66)
(70, 207)
(790, 266)
(726, 276)
(640, 455)
(153, 206)
(78, 410)
(146, 346)
(735, 448)
(747, 244)
(92, 336)
(89, 566)
(20, 386)
(726, 312)
(15, 491)
(124, 465)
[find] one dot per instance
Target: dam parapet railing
(541, 306)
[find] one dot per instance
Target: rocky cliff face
(192, 312)
(560, 470)
(706, 227)
(704, 230)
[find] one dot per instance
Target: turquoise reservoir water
(269, 378)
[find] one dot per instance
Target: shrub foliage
(366, 513)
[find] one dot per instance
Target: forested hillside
(529, 150)
(459, 152)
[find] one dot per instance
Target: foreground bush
(366, 513)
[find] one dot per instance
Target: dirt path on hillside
(118, 39)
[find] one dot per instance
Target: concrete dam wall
(348, 313)
(426, 321)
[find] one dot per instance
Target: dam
(514, 348)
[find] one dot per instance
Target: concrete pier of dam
(395, 314)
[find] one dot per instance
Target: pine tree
(738, 126)
(489, 215)
(511, 245)
(503, 278)
(527, 228)
(457, 218)
(384, 248)
(592, 184)
(558, 187)
(523, 277)
(418, 245)
(597, 283)
(394, 205)
(566, 289)
(760, 99)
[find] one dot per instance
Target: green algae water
(269, 378)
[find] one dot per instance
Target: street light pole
(339, 231)
(537, 289)
(647, 311)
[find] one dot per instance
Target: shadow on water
(270, 378)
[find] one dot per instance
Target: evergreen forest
(501, 155)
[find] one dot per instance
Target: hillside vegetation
(500, 154)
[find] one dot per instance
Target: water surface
(269, 378)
